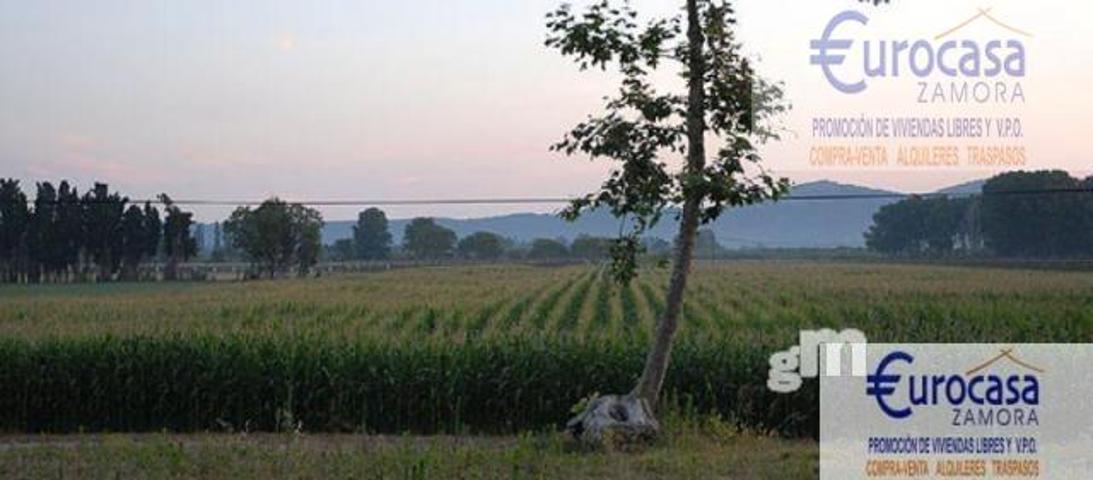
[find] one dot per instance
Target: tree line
(1020, 214)
(63, 236)
(424, 239)
(279, 238)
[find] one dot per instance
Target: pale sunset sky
(213, 99)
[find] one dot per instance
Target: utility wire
(560, 200)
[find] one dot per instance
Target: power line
(387, 202)
(893, 195)
(560, 200)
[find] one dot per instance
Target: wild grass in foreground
(692, 449)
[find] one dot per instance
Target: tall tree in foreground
(725, 102)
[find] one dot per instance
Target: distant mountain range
(785, 224)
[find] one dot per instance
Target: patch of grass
(690, 450)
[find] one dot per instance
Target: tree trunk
(628, 419)
(130, 271)
(656, 363)
(170, 270)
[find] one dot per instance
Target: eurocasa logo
(967, 59)
(976, 396)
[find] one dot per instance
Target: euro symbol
(881, 384)
(827, 51)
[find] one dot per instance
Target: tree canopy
(482, 246)
(587, 247)
(1037, 224)
(370, 235)
(277, 236)
(424, 239)
(547, 249)
(726, 100)
(1019, 214)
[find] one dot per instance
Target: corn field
(476, 349)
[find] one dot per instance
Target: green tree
(14, 219)
(424, 239)
(263, 235)
(179, 245)
(898, 228)
(944, 224)
(482, 246)
(725, 101)
(587, 247)
(134, 243)
(70, 227)
(307, 226)
(924, 226)
(370, 234)
(343, 250)
(102, 213)
(547, 249)
(153, 230)
(276, 236)
(141, 230)
(1019, 222)
(42, 235)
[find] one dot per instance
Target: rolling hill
(794, 223)
(786, 224)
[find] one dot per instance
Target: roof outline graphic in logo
(1006, 353)
(983, 13)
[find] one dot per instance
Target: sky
(438, 99)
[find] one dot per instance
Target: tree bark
(170, 270)
(656, 363)
(129, 271)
